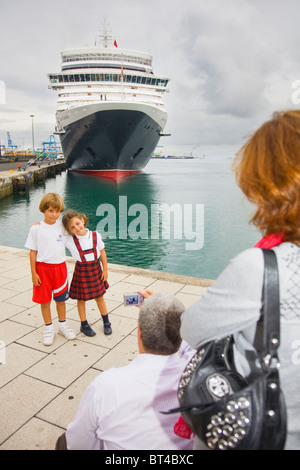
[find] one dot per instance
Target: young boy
(46, 243)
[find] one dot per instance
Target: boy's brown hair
(51, 200)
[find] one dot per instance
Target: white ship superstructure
(110, 110)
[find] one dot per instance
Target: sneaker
(87, 330)
(107, 329)
(48, 336)
(65, 331)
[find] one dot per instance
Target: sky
(231, 63)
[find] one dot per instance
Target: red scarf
(181, 429)
(269, 241)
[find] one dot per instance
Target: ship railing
(66, 105)
(108, 96)
(96, 98)
(84, 90)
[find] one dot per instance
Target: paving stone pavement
(41, 386)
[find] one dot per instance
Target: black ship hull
(110, 143)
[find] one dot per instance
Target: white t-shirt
(49, 242)
(86, 243)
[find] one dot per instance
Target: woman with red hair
(268, 172)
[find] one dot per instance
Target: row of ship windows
(108, 77)
(114, 57)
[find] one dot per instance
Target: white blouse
(86, 243)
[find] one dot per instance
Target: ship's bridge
(59, 79)
(106, 58)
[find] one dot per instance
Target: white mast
(104, 36)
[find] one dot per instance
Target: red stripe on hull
(113, 175)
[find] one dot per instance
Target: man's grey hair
(159, 321)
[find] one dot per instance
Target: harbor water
(181, 216)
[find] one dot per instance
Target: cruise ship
(110, 111)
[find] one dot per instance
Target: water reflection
(92, 195)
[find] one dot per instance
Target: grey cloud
(231, 62)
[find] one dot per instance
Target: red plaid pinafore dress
(86, 283)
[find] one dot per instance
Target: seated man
(121, 408)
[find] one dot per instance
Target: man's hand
(145, 293)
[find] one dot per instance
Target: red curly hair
(267, 170)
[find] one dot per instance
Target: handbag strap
(267, 337)
(268, 341)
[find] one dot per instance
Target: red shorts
(54, 282)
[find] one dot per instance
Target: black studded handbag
(226, 410)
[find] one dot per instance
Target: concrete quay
(12, 181)
(41, 386)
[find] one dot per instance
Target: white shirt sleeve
(31, 242)
(100, 243)
(86, 242)
(81, 433)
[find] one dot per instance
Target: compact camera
(133, 299)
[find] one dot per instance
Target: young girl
(89, 280)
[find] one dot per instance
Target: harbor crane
(51, 147)
(10, 144)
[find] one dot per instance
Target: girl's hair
(267, 170)
(70, 214)
(51, 200)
